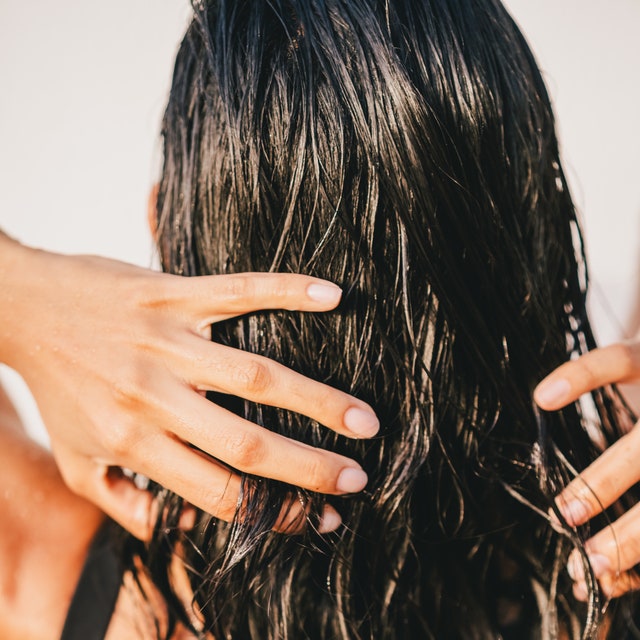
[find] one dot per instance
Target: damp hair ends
(406, 151)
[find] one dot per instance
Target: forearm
(21, 279)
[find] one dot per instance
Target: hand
(118, 358)
(615, 549)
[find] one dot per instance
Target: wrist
(22, 274)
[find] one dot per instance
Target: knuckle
(315, 475)
(256, 377)
(237, 288)
(329, 401)
(590, 373)
(624, 355)
(599, 489)
(280, 286)
(219, 503)
(120, 439)
(244, 449)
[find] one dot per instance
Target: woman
(407, 151)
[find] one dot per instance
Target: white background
(83, 84)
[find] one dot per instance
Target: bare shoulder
(44, 538)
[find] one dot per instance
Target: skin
(44, 546)
(49, 555)
(118, 359)
(614, 550)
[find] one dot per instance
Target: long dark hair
(404, 149)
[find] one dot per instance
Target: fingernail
(599, 564)
(325, 293)
(351, 480)
(187, 519)
(575, 511)
(575, 568)
(553, 392)
(580, 591)
(361, 422)
(330, 520)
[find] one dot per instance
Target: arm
(117, 358)
(45, 534)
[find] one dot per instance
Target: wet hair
(404, 149)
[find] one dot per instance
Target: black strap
(96, 592)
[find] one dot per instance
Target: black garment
(96, 592)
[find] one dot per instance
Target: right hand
(118, 358)
(615, 550)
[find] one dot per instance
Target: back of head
(404, 149)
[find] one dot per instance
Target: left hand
(615, 550)
(118, 357)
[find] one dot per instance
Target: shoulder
(44, 538)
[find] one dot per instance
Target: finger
(611, 585)
(116, 495)
(247, 447)
(131, 507)
(611, 554)
(136, 510)
(615, 363)
(217, 367)
(294, 518)
(618, 544)
(134, 507)
(602, 482)
(212, 298)
(616, 585)
(216, 489)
